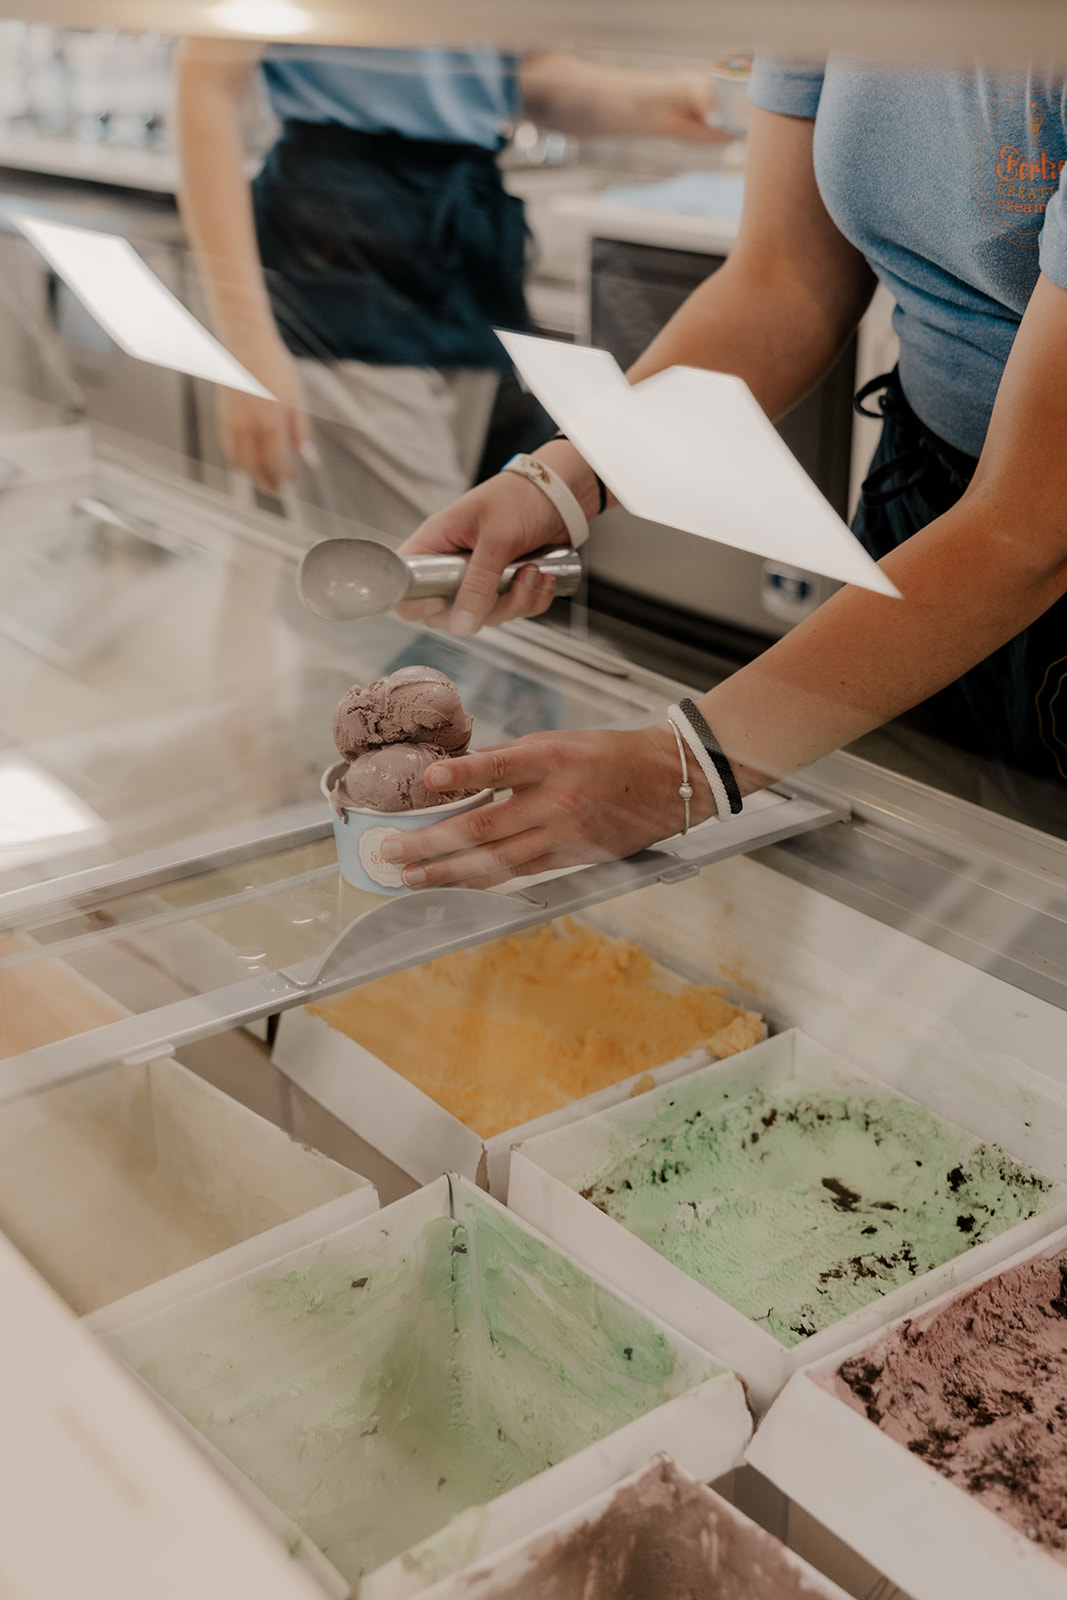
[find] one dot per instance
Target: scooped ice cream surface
(414, 704)
(661, 1537)
(391, 732)
(391, 778)
(800, 1205)
(507, 1031)
(374, 1398)
(979, 1390)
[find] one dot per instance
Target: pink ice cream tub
(360, 830)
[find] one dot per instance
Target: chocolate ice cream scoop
(420, 703)
(416, 704)
(355, 722)
(391, 778)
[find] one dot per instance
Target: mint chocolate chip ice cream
(800, 1205)
(374, 1399)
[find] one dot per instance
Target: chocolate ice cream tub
(948, 1428)
(359, 832)
(659, 1533)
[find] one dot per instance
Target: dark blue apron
(399, 252)
(1012, 707)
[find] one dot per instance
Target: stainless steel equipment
(345, 580)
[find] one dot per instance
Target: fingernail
(530, 577)
(463, 622)
(434, 609)
(309, 455)
(439, 777)
(547, 581)
(391, 849)
(414, 877)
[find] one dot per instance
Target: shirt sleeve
(1052, 252)
(791, 88)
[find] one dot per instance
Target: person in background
(360, 275)
(949, 186)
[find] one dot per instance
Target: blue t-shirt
(950, 183)
(462, 96)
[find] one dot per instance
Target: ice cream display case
(170, 884)
(361, 1242)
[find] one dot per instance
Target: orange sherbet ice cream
(508, 1031)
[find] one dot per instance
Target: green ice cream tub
(359, 833)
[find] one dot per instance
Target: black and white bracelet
(709, 753)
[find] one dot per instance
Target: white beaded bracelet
(562, 497)
(676, 715)
(685, 788)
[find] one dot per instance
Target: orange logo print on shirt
(1012, 178)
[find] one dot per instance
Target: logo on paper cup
(387, 873)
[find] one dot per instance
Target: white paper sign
(693, 449)
(131, 304)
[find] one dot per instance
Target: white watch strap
(551, 484)
(707, 766)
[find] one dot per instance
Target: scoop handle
(439, 576)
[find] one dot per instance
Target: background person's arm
(777, 314)
(564, 92)
(216, 203)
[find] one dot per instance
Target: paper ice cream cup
(359, 834)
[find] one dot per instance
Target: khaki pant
(396, 443)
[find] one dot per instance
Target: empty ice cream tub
(359, 832)
(407, 1394)
(116, 1180)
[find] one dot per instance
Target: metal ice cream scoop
(345, 580)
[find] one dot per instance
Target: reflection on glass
(386, 248)
(261, 18)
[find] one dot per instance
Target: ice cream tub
(416, 1390)
(479, 1031)
(975, 1464)
(116, 1180)
(359, 832)
(658, 1533)
(780, 1204)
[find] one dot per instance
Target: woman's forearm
(590, 97)
(787, 299)
(969, 584)
(776, 334)
(971, 580)
(215, 197)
